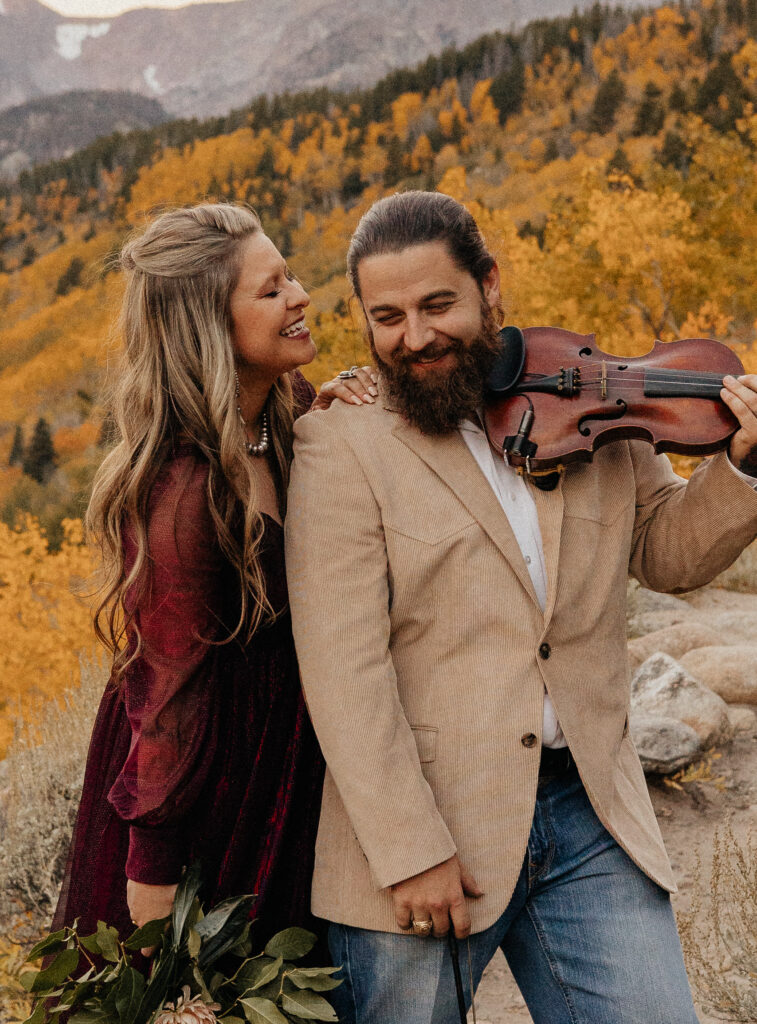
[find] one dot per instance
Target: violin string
(656, 375)
(686, 378)
(651, 378)
(693, 384)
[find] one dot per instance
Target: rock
(730, 671)
(664, 745)
(673, 640)
(733, 627)
(663, 687)
(732, 614)
(648, 611)
(743, 720)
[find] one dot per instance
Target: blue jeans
(589, 938)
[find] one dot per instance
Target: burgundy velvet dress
(204, 750)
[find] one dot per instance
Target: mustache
(428, 354)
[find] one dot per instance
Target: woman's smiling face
(267, 312)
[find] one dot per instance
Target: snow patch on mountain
(70, 37)
(150, 75)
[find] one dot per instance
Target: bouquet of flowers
(203, 971)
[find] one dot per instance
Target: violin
(554, 397)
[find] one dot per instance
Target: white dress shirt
(518, 505)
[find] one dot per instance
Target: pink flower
(188, 1011)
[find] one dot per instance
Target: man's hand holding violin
(740, 395)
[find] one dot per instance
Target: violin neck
(682, 384)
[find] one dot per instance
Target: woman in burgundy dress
(202, 748)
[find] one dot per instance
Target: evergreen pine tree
(508, 89)
(677, 100)
(610, 95)
(650, 114)
(40, 458)
(16, 457)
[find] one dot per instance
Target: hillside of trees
(609, 157)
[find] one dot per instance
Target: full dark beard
(436, 403)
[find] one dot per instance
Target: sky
(108, 8)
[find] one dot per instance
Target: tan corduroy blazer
(422, 645)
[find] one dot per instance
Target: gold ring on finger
(422, 928)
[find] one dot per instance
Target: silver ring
(347, 374)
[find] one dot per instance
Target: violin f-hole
(611, 414)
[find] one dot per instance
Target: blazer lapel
(451, 460)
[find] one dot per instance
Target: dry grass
(719, 933)
(39, 795)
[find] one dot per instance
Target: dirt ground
(688, 818)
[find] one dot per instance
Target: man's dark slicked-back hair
(414, 218)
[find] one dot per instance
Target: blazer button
(529, 740)
(544, 651)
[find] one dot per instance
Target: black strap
(455, 954)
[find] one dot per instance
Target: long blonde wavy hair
(176, 384)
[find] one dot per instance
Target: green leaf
(216, 982)
(54, 942)
(107, 940)
(38, 1015)
(193, 943)
(292, 943)
(149, 934)
(270, 991)
(316, 978)
(308, 1005)
(226, 1020)
(129, 994)
(90, 943)
(243, 946)
(187, 891)
(161, 979)
(200, 981)
(262, 1011)
(64, 964)
(256, 973)
(98, 1016)
(218, 940)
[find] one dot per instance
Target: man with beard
(461, 636)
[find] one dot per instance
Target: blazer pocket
(425, 740)
(432, 530)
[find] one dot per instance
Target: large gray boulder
(732, 614)
(648, 611)
(743, 720)
(662, 687)
(673, 640)
(730, 671)
(664, 745)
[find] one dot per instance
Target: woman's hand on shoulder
(149, 903)
(356, 386)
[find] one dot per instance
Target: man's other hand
(437, 895)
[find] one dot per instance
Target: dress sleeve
(303, 392)
(168, 691)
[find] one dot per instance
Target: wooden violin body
(559, 398)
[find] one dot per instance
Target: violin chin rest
(508, 367)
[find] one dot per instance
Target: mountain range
(204, 59)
